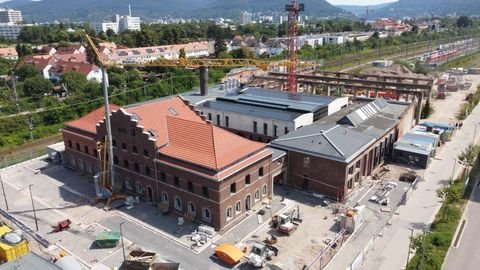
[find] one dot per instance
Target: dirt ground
(301, 247)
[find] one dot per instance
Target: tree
(37, 87)
(74, 81)
(182, 53)
(26, 71)
(464, 21)
(242, 53)
(219, 47)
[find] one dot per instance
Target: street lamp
(33, 206)
(3, 190)
(475, 134)
(123, 246)
(409, 247)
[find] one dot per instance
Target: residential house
(9, 53)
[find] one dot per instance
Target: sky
(358, 2)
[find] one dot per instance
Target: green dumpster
(107, 239)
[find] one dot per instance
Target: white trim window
(264, 190)
(80, 164)
(165, 197)
(206, 215)
(257, 194)
(177, 203)
(128, 183)
(238, 207)
(192, 209)
(229, 213)
(139, 188)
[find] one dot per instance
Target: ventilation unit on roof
(172, 111)
(135, 117)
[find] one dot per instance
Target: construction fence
(19, 157)
(327, 253)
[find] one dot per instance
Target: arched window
(147, 171)
(115, 160)
(138, 188)
(134, 149)
(238, 207)
(145, 153)
(178, 203)
(165, 198)
(85, 148)
(128, 183)
(264, 190)
(191, 208)
(229, 213)
(124, 146)
(80, 164)
(206, 214)
(136, 167)
(257, 195)
(77, 145)
(69, 144)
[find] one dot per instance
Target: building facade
(11, 30)
(165, 152)
(8, 15)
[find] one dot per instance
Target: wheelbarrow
(62, 225)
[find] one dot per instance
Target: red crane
(293, 9)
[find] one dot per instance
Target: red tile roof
(72, 57)
(205, 144)
(40, 62)
(89, 121)
(61, 67)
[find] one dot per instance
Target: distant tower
(129, 10)
(293, 11)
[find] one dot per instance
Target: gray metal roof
(365, 112)
(328, 141)
(251, 110)
(30, 261)
(277, 153)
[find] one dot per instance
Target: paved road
(391, 251)
(465, 255)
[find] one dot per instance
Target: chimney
(203, 81)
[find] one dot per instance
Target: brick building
(335, 154)
(167, 153)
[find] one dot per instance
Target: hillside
(412, 8)
(359, 11)
(232, 8)
(96, 10)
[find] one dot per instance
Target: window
(264, 190)
(205, 191)
(176, 181)
(238, 207)
(165, 198)
(70, 144)
(77, 145)
(206, 214)
(227, 121)
(136, 167)
(125, 163)
(210, 116)
(257, 195)
(229, 213)
(114, 143)
(247, 179)
(233, 188)
(134, 149)
(286, 130)
(260, 171)
(178, 203)
(350, 170)
(255, 127)
(80, 164)
(190, 186)
(218, 119)
(275, 131)
(163, 177)
(147, 171)
(357, 165)
(128, 183)
(85, 148)
(115, 160)
(265, 129)
(138, 188)
(145, 153)
(124, 146)
(306, 162)
(95, 152)
(191, 208)
(132, 131)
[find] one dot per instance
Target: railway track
(31, 146)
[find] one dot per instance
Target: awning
(229, 254)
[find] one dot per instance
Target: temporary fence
(328, 252)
